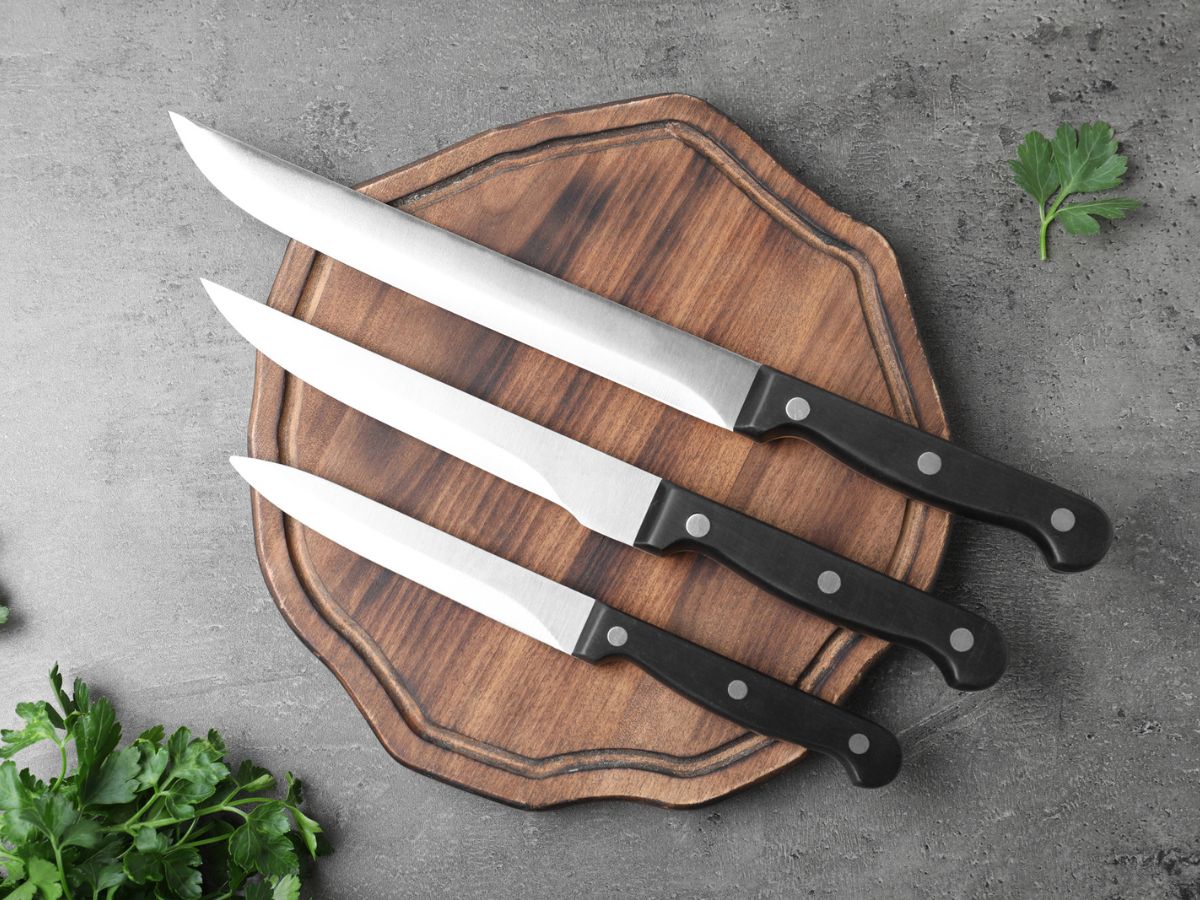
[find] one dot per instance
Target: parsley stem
(62, 873)
(1048, 215)
(201, 842)
(62, 750)
(224, 806)
(141, 812)
(187, 834)
(207, 811)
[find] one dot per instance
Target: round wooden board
(663, 204)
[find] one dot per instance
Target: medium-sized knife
(620, 500)
(572, 622)
(642, 353)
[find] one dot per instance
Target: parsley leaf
(38, 728)
(1079, 161)
(1034, 169)
(196, 765)
(285, 888)
(116, 782)
(96, 735)
(154, 859)
(163, 816)
(1080, 218)
(261, 843)
(42, 881)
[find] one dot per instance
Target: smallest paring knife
(573, 623)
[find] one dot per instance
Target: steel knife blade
(640, 352)
(572, 622)
(617, 499)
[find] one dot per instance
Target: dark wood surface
(663, 204)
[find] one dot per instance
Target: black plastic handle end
(975, 663)
(1083, 544)
(870, 753)
(1072, 532)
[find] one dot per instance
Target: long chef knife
(639, 352)
(572, 622)
(619, 500)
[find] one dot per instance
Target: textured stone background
(125, 541)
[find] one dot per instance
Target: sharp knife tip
(182, 123)
(255, 471)
(216, 292)
(223, 298)
(196, 138)
(278, 483)
(179, 120)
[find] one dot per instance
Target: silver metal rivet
(859, 743)
(617, 636)
(797, 409)
(962, 640)
(929, 463)
(1062, 519)
(737, 689)
(829, 582)
(697, 525)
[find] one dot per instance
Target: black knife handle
(1072, 531)
(968, 649)
(870, 753)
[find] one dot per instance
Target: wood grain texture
(663, 204)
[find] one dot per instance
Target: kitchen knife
(619, 500)
(639, 352)
(572, 622)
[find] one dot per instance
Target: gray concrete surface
(125, 540)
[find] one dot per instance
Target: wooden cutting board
(663, 204)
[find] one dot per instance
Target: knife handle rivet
(962, 640)
(929, 463)
(859, 743)
(829, 581)
(617, 636)
(1062, 519)
(737, 689)
(797, 409)
(697, 525)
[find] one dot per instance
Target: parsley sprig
(1075, 162)
(163, 817)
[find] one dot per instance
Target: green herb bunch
(1075, 162)
(163, 817)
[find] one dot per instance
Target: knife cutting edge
(640, 352)
(572, 622)
(619, 500)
